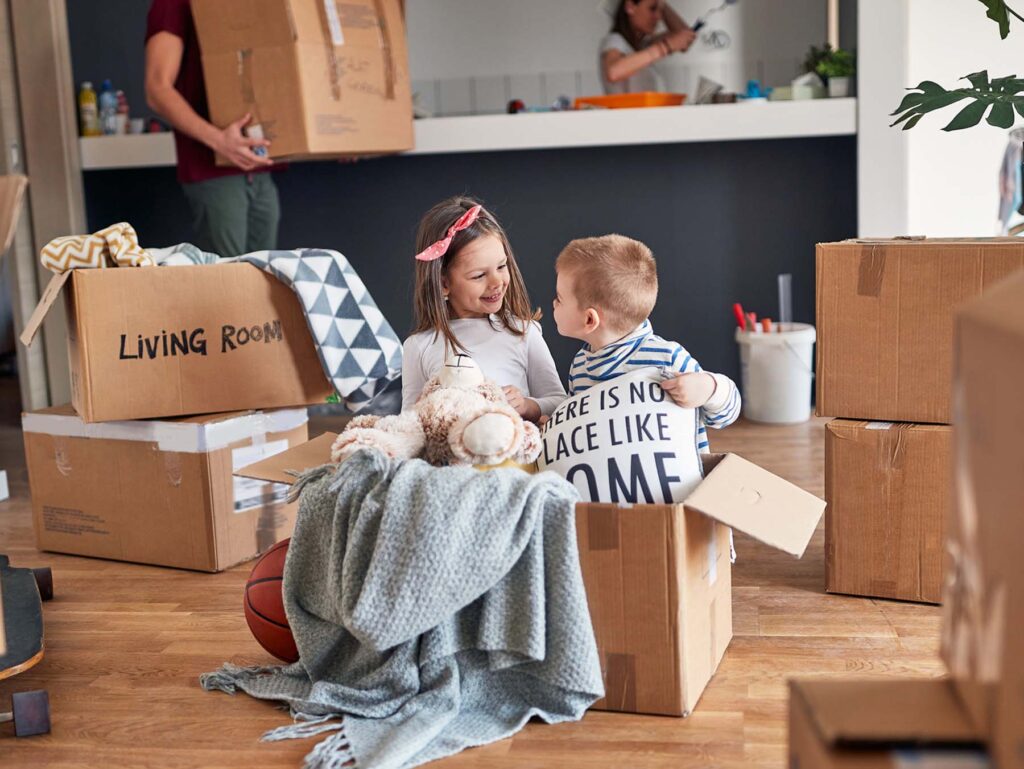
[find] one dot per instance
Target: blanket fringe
(335, 752)
(309, 476)
(227, 678)
(313, 726)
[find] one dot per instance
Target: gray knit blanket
(434, 609)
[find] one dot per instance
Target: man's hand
(236, 147)
(691, 391)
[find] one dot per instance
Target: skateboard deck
(21, 642)
(22, 611)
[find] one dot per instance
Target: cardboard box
(885, 321)
(321, 79)
(890, 724)
(983, 620)
(158, 492)
(658, 577)
(887, 486)
(151, 342)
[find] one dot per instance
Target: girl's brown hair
(431, 311)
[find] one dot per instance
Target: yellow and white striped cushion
(116, 245)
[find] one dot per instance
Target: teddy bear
(459, 418)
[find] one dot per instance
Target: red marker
(741, 318)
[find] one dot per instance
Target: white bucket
(776, 370)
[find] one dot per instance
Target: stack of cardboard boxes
(885, 357)
(127, 470)
(225, 341)
(974, 718)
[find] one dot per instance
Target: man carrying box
(235, 208)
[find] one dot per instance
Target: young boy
(606, 288)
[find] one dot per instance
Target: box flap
(12, 193)
(280, 468)
(46, 301)
(909, 240)
(890, 713)
(742, 495)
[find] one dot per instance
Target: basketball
(264, 604)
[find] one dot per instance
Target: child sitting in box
(606, 288)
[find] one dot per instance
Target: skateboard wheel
(31, 713)
(44, 581)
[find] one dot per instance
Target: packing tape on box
(391, 76)
(182, 437)
(172, 468)
(872, 270)
(245, 80)
(60, 456)
(620, 681)
(353, 15)
(890, 458)
(333, 38)
(603, 528)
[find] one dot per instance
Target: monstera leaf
(999, 98)
(1000, 13)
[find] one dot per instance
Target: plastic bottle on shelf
(122, 115)
(88, 114)
(108, 108)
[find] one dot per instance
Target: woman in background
(629, 50)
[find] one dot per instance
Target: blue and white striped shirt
(642, 348)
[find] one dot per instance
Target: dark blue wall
(722, 218)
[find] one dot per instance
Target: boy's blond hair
(615, 275)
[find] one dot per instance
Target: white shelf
(131, 151)
(552, 130)
(662, 125)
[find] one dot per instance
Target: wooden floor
(125, 645)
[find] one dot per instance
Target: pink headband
(440, 248)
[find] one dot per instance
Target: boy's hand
(525, 407)
(691, 391)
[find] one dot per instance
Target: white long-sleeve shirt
(506, 359)
(641, 348)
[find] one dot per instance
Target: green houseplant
(836, 68)
(1000, 97)
(815, 55)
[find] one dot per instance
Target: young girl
(470, 298)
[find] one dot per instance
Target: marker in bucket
(752, 322)
(766, 325)
(737, 310)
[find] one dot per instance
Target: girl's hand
(525, 407)
(680, 40)
(691, 391)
